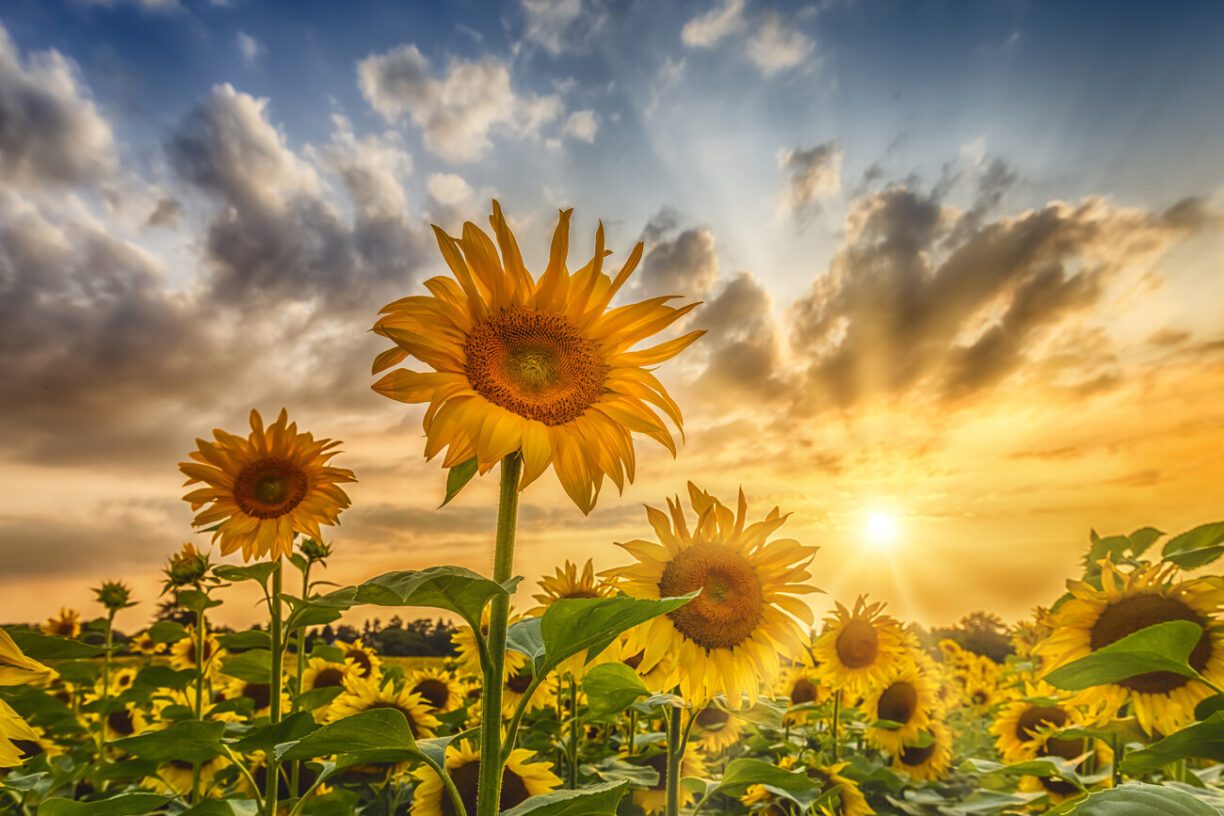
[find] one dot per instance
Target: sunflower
(521, 779)
(366, 659)
(860, 648)
(538, 366)
(363, 694)
(516, 685)
(125, 721)
(260, 695)
(40, 746)
(568, 583)
(15, 668)
(183, 652)
(851, 801)
(1127, 602)
(13, 731)
(122, 680)
(1024, 726)
(908, 697)
(438, 688)
(715, 729)
(468, 653)
(653, 800)
(728, 639)
(176, 777)
(800, 685)
(1058, 790)
(760, 800)
(144, 644)
(320, 673)
(928, 757)
(66, 625)
(264, 489)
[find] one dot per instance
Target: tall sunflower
(728, 639)
(858, 649)
(908, 698)
(262, 490)
(1126, 603)
(521, 779)
(66, 625)
(540, 366)
(183, 652)
(363, 694)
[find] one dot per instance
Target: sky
(960, 266)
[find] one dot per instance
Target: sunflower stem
(295, 772)
(573, 733)
(200, 634)
(836, 717)
(488, 797)
(106, 667)
(632, 732)
(675, 755)
(272, 791)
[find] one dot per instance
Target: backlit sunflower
(860, 648)
(715, 729)
(521, 779)
(801, 685)
(15, 668)
(263, 489)
(568, 583)
(1023, 726)
(183, 652)
(365, 694)
(540, 366)
(367, 661)
(13, 731)
(1126, 603)
(320, 673)
(653, 800)
(467, 653)
(908, 697)
(437, 687)
(929, 757)
(66, 625)
(728, 639)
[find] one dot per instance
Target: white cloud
(448, 189)
(249, 48)
(372, 168)
(50, 129)
(581, 125)
(459, 110)
(558, 26)
(778, 47)
(706, 29)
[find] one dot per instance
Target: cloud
(812, 174)
(581, 125)
(778, 46)
(744, 345)
(50, 128)
(165, 214)
(561, 26)
(676, 261)
(459, 110)
(249, 49)
(718, 22)
(448, 189)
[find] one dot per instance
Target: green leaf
(1165, 647)
(265, 738)
(1142, 539)
(457, 479)
(259, 572)
(1196, 548)
(164, 677)
(45, 647)
(611, 688)
(222, 807)
(188, 740)
(194, 600)
(1208, 706)
(167, 632)
(128, 804)
(317, 698)
(1137, 799)
(372, 730)
(254, 666)
(795, 786)
(1203, 740)
(250, 639)
(596, 800)
(79, 672)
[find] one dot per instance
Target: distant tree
(982, 633)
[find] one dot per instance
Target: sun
(882, 528)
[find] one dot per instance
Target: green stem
(295, 773)
(106, 668)
(1119, 748)
(272, 791)
(573, 734)
(632, 732)
(675, 755)
(201, 633)
(488, 797)
(836, 718)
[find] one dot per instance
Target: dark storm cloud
(744, 348)
(676, 261)
(50, 129)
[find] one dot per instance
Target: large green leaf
(795, 786)
(1204, 740)
(596, 800)
(1136, 799)
(254, 666)
(45, 647)
(1165, 647)
(372, 730)
(167, 632)
(127, 804)
(458, 477)
(163, 677)
(1196, 548)
(267, 737)
(248, 639)
(189, 740)
(259, 572)
(611, 688)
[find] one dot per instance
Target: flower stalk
(272, 790)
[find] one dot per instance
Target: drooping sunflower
(320, 673)
(1024, 725)
(728, 639)
(1127, 602)
(15, 668)
(263, 489)
(715, 729)
(437, 687)
(367, 661)
(363, 694)
(521, 779)
(540, 366)
(653, 800)
(858, 649)
(908, 698)
(66, 625)
(929, 757)
(183, 652)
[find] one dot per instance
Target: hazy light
(883, 529)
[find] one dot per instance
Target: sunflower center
(979, 697)
(898, 702)
(519, 682)
(121, 722)
(467, 779)
(364, 664)
(329, 677)
(659, 763)
(913, 756)
(1035, 718)
(269, 488)
(535, 364)
(731, 603)
(1065, 748)
(804, 691)
(258, 693)
(713, 719)
(433, 691)
(1129, 615)
(858, 644)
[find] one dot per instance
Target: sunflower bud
(114, 595)
(187, 567)
(315, 549)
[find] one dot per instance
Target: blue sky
(960, 261)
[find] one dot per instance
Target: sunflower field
(694, 680)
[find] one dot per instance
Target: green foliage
(1165, 647)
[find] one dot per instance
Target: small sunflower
(653, 800)
(125, 721)
(1127, 602)
(930, 761)
(659, 678)
(801, 685)
(521, 779)
(177, 777)
(264, 489)
(320, 673)
(1023, 726)
(15, 668)
(728, 639)
(851, 801)
(260, 695)
(66, 625)
(437, 687)
(468, 653)
(365, 694)
(143, 643)
(183, 652)
(540, 366)
(715, 729)
(760, 800)
(908, 697)
(122, 679)
(367, 661)
(1059, 790)
(860, 648)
